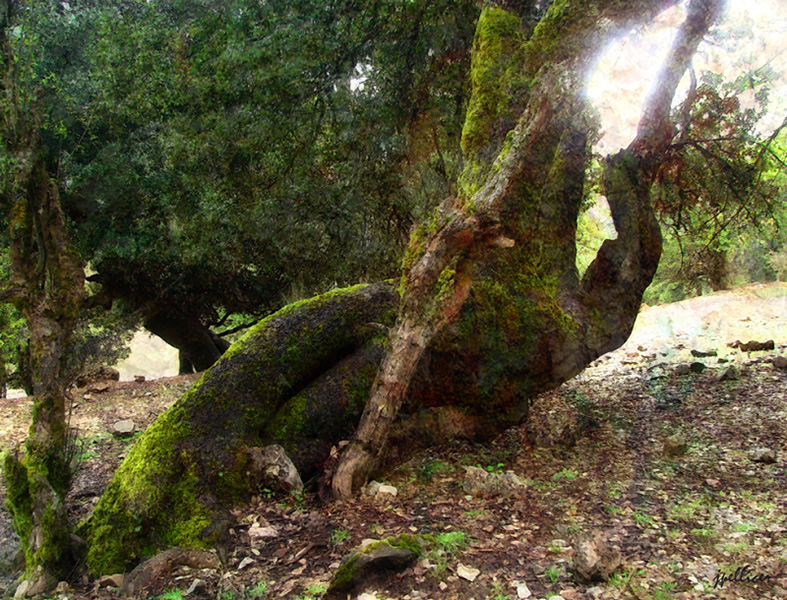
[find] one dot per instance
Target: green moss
(496, 79)
(345, 576)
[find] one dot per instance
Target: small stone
(141, 379)
(780, 362)
(522, 591)
(62, 587)
(443, 586)
(468, 573)
(98, 388)
(386, 489)
(367, 596)
(115, 580)
(245, 563)
(262, 532)
(728, 374)
(371, 488)
(21, 590)
(762, 455)
(675, 446)
(198, 586)
(595, 591)
(703, 353)
(682, 369)
(272, 467)
(594, 560)
(123, 428)
(697, 367)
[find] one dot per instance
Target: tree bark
(199, 348)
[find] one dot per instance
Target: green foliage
(339, 536)
(171, 594)
(260, 590)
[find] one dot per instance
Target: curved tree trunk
(492, 308)
(199, 348)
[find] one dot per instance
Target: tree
(47, 286)
(489, 310)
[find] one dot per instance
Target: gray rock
(480, 482)
(780, 362)
(247, 561)
(697, 367)
(762, 455)
(682, 369)
(198, 586)
(728, 374)
(123, 428)
(703, 353)
(391, 554)
(675, 446)
(270, 466)
(594, 559)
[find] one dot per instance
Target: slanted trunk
(492, 309)
(198, 347)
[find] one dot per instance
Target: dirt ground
(592, 458)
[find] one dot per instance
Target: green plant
(495, 468)
(664, 591)
(338, 536)
(565, 473)
(171, 594)
(742, 527)
(643, 520)
(258, 591)
(476, 512)
(313, 592)
(553, 573)
(556, 548)
(451, 542)
(613, 510)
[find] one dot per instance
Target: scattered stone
(468, 573)
(271, 467)
(482, 483)
(123, 428)
(371, 488)
(594, 559)
(752, 346)
(198, 586)
(675, 446)
(697, 367)
(262, 532)
(98, 388)
(762, 455)
(245, 563)
(682, 369)
(728, 374)
(391, 554)
(522, 591)
(148, 572)
(595, 591)
(62, 587)
(703, 353)
(385, 489)
(780, 362)
(141, 379)
(115, 580)
(99, 374)
(21, 590)
(367, 597)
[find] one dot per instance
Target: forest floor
(592, 458)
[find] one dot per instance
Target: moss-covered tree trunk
(49, 284)
(490, 309)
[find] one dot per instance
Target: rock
(386, 490)
(391, 554)
(728, 374)
(262, 532)
(780, 362)
(762, 455)
(99, 374)
(371, 488)
(245, 563)
(522, 591)
(480, 482)
(594, 560)
(703, 354)
(675, 446)
(752, 346)
(198, 586)
(147, 573)
(468, 573)
(682, 369)
(141, 379)
(115, 580)
(21, 590)
(697, 367)
(367, 597)
(123, 428)
(271, 467)
(595, 591)
(62, 587)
